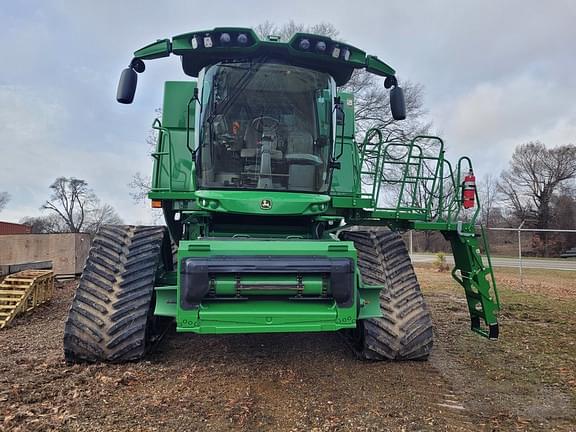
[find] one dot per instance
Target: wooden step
(14, 292)
(23, 281)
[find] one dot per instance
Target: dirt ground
(310, 382)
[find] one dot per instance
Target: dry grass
(529, 375)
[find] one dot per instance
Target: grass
(531, 370)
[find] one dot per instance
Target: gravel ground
(306, 382)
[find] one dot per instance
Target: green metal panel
(369, 301)
(262, 202)
(158, 49)
(263, 315)
(267, 317)
(225, 285)
(173, 167)
(166, 300)
(177, 95)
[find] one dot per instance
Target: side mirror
(397, 103)
(127, 86)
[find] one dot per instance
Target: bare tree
(139, 187)
(488, 197)
(69, 200)
(535, 175)
(77, 207)
(372, 108)
(4, 198)
(287, 30)
(564, 217)
(101, 215)
(140, 184)
(48, 224)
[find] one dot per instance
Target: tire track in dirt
(302, 382)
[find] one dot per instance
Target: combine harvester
(263, 188)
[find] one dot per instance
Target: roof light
(242, 39)
(304, 44)
(194, 42)
(207, 42)
(321, 46)
(346, 54)
(225, 38)
(336, 52)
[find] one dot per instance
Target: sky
(495, 74)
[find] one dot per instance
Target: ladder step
(10, 299)
(420, 178)
(12, 292)
(19, 279)
(473, 295)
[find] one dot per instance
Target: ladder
(23, 291)
(477, 279)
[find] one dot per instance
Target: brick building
(14, 228)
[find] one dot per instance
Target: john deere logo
(265, 204)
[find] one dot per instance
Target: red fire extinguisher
(469, 190)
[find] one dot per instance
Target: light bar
(202, 48)
(216, 39)
(321, 45)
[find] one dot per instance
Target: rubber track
(110, 312)
(405, 330)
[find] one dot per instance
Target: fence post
(520, 252)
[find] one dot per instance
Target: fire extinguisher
(469, 190)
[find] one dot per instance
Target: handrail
(427, 185)
(157, 125)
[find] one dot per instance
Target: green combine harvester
(265, 190)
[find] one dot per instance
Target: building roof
(14, 228)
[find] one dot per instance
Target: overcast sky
(495, 74)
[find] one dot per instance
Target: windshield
(265, 125)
